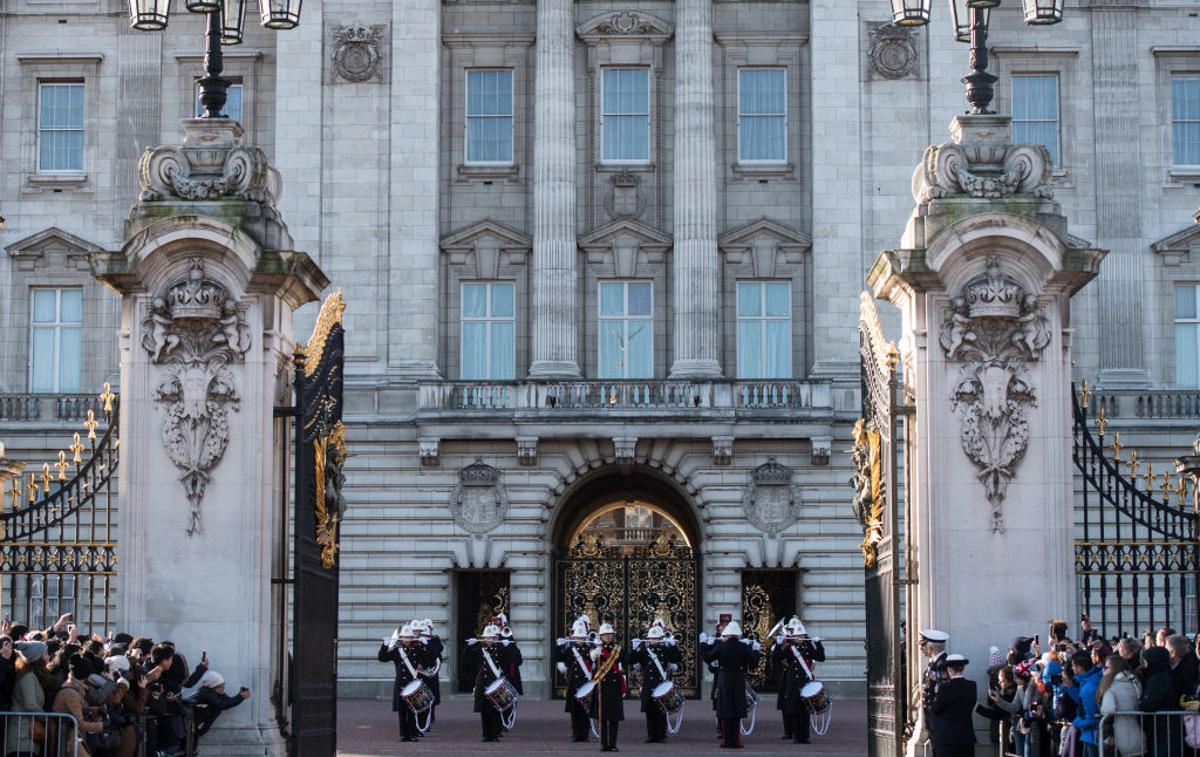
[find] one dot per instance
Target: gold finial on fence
(14, 492)
(107, 398)
(1181, 491)
(1150, 477)
(77, 448)
(31, 488)
(1166, 487)
(90, 424)
(1116, 447)
(62, 465)
(1101, 422)
(1134, 464)
(1085, 396)
(45, 478)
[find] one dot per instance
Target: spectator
(1183, 665)
(72, 699)
(1119, 691)
(1160, 637)
(1158, 695)
(1131, 650)
(210, 701)
(27, 696)
(1087, 681)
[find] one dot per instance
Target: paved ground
(368, 727)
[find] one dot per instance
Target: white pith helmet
(605, 628)
(732, 629)
(490, 632)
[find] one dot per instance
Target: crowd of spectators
(1065, 699)
(123, 692)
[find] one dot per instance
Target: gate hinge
(286, 411)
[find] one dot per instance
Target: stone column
(983, 280)
(696, 265)
(208, 282)
(554, 250)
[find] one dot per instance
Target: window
(1035, 112)
(55, 352)
(60, 127)
(487, 331)
(1187, 336)
(490, 116)
(49, 598)
(233, 102)
(762, 115)
(1185, 120)
(764, 329)
(625, 115)
(626, 329)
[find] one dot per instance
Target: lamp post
(225, 23)
(971, 19)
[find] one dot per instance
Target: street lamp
(226, 21)
(970, 20)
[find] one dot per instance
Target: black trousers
(802, 726)
(608, 733)
(953, 750)
(788, 723)
(408, 723)
(490, 720)
(579, 724)
(730, 735)
(656, 724)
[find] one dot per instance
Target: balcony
(49, 408)
(1149, 404)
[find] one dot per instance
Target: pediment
(626, 228)
(743, 236)
(763, 244)
(52, 247)
(624, 24)
(485, 245)
(1178, 247)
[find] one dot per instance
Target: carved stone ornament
(358, 52)
(194, 330)
(479, 502)
(527, 450)
(213, 164)
(722, 450)
(994, 329)
(982, 162)
(624, 449)
(625, 199)
(893, 52)
(626, 22)
(868, 486)
(772, 502)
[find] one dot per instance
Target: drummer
(432, 650)
(512, 653)
(575, 664)
(657, 659)
(798, 657)
(399, 650)
(609, 674)
(490, 657)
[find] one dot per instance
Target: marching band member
(707, 644)
(490, 655)
(657, 659)
(399, 650)
(512, 669)
(608, 703)
(799, 652)
(735, 656)
(574, 663)
(433, 650)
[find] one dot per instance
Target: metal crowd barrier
(149, 730)
(1174, 733)
(39, 734)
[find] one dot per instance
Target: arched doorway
(627, 553)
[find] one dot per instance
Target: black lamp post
(226, 20)
(971, 19)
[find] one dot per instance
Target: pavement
(369, 727)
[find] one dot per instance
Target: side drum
(815, 697)
(751, 698)
(417, 696)
(501, 693)
(668, 696)
(584, 693)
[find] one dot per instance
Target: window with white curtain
(762, 115)
(490, 115)
(626, 322)
(1185, 119)
(625, 115)
(764, 329)
(487, 330)
(56, 340)
(233, 101)
(1035, 118)
(60, 127)
(1187, 336)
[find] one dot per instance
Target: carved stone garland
(479, 502)
(994, 329)
(771, 503)
(194, 330)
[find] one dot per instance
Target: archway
(626, 553)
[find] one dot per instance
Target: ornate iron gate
(58, 551)
(319, 454)
(629, 588)
(1137, 558)
(768, 596)
(876, 444)
(482, 594)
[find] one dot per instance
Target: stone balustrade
(1166, 404)
(49, 407)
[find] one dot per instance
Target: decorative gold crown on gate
(992, 294)
(195, 296)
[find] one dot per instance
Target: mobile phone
(1037, 639)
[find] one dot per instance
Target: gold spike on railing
(90, 424)
(1085, 396)
(1134, 464)
(1116, 447)
(1101, 422)
(107, 398)
(62, 465)
(31, 488)
(14, 492)
(77, 448)
(1150, 477)
(45, 478)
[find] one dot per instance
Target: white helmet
(579, 630)
(605, 628)
(732, 629)
(406, 631)
(796, 628)
(585, 620)
(655, 632)
(490, 632)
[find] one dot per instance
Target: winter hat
(1021, 646)
(32, 651)
(79, 667)
(1024, 671)
(995, 658)
(211, 680)
(118, 663)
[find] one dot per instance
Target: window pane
(1035, 111)
(778, 350)
(777, 299)
(1185, 302)
(502, 300)
(1186, 140)
(233, 102)
(474, 304)
(611, 339)
(70, 358)
(639, 298)
(749, 349)
(1187, 371)
(44, 308)
(626, 107)
(502, 367)
(612, 299)
(637, 350)
(71, 306)
(474, 350)
(41, 375)
(749, 298)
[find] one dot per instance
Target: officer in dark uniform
(656, 658)
(954, 733)
(707, 644)
(609, 673)
(434, 650)
(933, 646)
(574, 663)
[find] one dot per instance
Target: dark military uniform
(935, 675)
(793, 679)
(608, 705)
(489, 716)
(666, 654)
(416, 658)
(577, 675)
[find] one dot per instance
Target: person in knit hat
(211, 700)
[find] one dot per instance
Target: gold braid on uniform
(605, 667)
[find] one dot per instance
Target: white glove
(506, 642)
(747, 642)
(756, 646)
(562, 667)
(472, 641)
(562, 641)
(779, 640)
(637, 643)
(673, 667)
(703, 637)
(388, 641)
(637, 666)
(424, 641)
(595, 654)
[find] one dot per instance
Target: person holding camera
(211, 700)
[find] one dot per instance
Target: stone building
(603, 263)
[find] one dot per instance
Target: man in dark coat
(492, 658)
(735, 656)
(399, 650)
(656, 659)
(1159, 695)
(796, 645)
(954, 729)
(575, 665)
(432, 652)
(608, 705)
(707, 644)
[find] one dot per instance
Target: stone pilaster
(554, 249)
(696, 263)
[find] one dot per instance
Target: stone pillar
(554, 250)
(209, 282)
(983, 280)
(696, 264)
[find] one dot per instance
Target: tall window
(626, 329)
(625, 115)
(56, 340)
(60, 127)
(1035, 112)
(762, 115)
(487, 330)
(233, 101)
(1185, 120)
(1187, 336)
(490, 116)
(764, 329)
